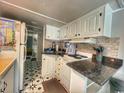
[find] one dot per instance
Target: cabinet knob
(75, 34)
(78, 34)
(43, 58)
(99, 29)
(100, 14)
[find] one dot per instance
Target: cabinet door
(52, 32)
(63, 34)
(91, 24)
(51, 66)
(48, 67)
(65, 75)
(9, 81)
(78, 28)
(66, 71)
(44, 66)
(78, 83)
(73, 32)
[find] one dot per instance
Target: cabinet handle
(4, 87)
(100, 14)
(99, 29)
(78, 34)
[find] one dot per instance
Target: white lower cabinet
(78, 83)
(105, 88)
(48, 67)
(7, 82)
(72, 81)
(58, 64)
(63, 73)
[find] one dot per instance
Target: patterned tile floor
(32, 77)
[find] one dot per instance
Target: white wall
(118, 31)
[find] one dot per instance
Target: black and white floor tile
(32, 77)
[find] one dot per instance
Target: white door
(23, 52)
(23, 33)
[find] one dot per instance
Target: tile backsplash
(111, 46)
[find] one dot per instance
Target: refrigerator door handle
(25, 52)
(26, 32)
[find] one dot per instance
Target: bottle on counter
(99, 57)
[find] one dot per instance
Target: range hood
(84, 40)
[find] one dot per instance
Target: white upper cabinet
(52, 32)
(75, 29)
(79, 32)
(98, 22)
(65, 32)
(105, 14)
(91, 24)
(95, 23)
(72, 30)
(72, 27)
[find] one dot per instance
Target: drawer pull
(100, 14)
(99, 29)
(78, 34)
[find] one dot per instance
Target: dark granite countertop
(54, 54)
(99, 74)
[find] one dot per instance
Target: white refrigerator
(22, 54)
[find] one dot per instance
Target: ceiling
(59, 11)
